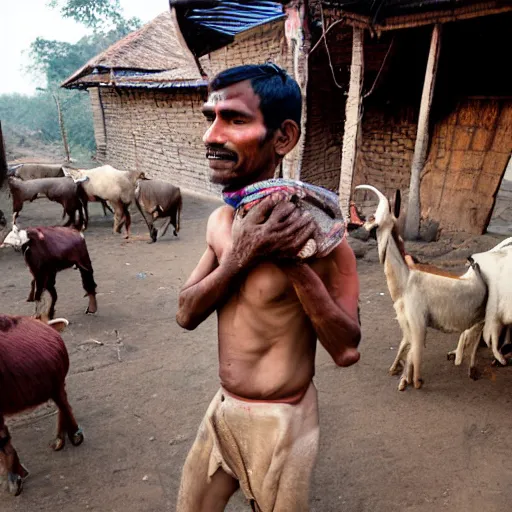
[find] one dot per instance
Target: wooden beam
(412, 222)
(352, 120)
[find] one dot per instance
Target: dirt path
(445, 447)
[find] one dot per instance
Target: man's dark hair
(280, 96)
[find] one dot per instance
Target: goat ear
(398, 203)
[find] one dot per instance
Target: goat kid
(422, 299)
(48, 250)
(61, 190)
(34, 363)
(157, 199)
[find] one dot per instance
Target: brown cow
(157, 199)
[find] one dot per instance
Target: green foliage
(37, 117)
(56, 61)
(95, 14)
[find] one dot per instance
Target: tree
(57, 60)
(95, 14)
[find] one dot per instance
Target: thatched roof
(154, 48)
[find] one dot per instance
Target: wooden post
(352, 113)
(62, 130)
(298, 42)
(3, 158)
(412, 222)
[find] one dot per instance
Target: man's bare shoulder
(219, 223)
(221, 216)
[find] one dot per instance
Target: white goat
(496, 269)
(470, 339)
(108, 184)
(422, 299)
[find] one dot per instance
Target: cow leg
(66, 422)
(16, 472)
(71, 217)
(128, 219)
(50, 286)
(80, 224)
(148, 218)
(32, 291)
(105, 207)
(163, 229)
(118, 217)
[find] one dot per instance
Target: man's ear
(286, 137)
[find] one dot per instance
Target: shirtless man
(260, 432)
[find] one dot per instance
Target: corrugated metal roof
(208, 26)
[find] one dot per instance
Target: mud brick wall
(385, 149)
(98, 123)
(255, 46)
(469, 153)
(160, 133)
(321, 163)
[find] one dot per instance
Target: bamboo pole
(352, 114)
(61, 125)
(412, 222)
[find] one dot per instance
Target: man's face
(237, 147)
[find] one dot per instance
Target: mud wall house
(147, 90)
(382, 85)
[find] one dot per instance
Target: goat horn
(383, 206)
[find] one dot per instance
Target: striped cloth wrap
(321, 203)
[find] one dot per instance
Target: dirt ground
(140, 399)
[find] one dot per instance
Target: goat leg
(163, 229)
(16, 472)
(32, 291)
(66, 423)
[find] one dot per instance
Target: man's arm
(332, 307)
(207, 287)
(256, 236)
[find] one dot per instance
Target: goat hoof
(418, 383)
(175, 233)
(90, 312)
(15, 484)
(395, 370)
(450, 356)
(403, 384)
(77, 438)
(474, 373)
(30, 299)
(58, 444)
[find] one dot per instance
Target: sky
(22, 21)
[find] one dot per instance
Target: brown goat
(30, 171)
(157, 199)
(48, 250)
(61, 190)
(34, 363)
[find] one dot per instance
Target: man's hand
(275, 228)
